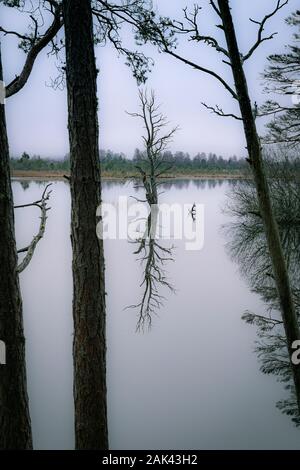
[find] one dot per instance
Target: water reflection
(247, 246)
(25, 184)
(196, 367)
(153, 256)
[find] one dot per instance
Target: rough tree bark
(256, 161)
(15, 427)
(89, 347)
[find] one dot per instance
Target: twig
(219, 111)
(260, 38)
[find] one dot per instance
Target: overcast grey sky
(37, 116)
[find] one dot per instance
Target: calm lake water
(193, 380)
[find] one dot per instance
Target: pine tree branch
(37, 45)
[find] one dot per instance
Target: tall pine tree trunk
(89, 347)
(15, 427)
(256, 161)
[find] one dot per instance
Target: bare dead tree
(152, 167)
(153, 164)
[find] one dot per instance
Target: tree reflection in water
(247, 246)
(152, 167)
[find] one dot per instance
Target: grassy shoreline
(59, 175)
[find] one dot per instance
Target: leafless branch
(192, 29)
(154, 254)
(262, 24)
(154, 140)
(154, 277)
(30, 249)
(8, 32)
(219, 111)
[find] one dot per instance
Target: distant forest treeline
(119, 164)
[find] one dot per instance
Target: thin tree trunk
(256, 161)
(89, 347)
(15, 427)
